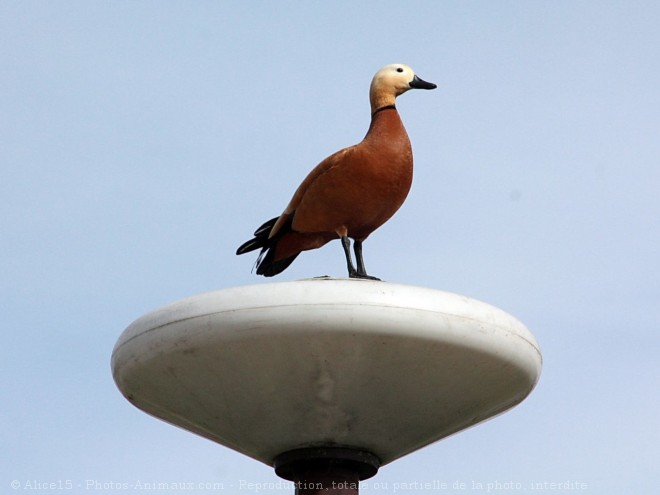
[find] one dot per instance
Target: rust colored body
(352, 192)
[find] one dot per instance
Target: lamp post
(326, 380)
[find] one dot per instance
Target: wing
(313, 179)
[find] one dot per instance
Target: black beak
(418, 83)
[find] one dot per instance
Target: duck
(350, 193)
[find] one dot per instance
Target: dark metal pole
(326, 471)
(331, 481)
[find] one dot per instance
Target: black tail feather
(266, 227)
(267, 267)
(265, 264)
(260, 240)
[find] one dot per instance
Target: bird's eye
(399, 69)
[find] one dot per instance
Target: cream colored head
(391, 81)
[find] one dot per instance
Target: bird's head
(391, 81)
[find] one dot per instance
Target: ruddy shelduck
(352, 192)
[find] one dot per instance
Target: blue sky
(142, 142)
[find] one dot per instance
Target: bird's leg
(346, 244)
(361, 270)
(357, 247)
